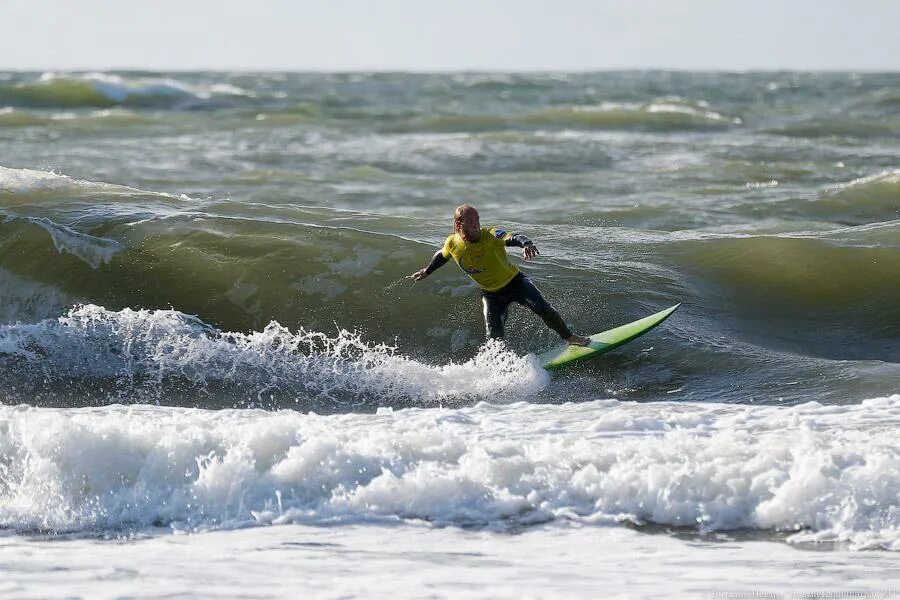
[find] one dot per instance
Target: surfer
(481, 253)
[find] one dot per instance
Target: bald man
(481, 253)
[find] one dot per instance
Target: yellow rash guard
(485, 261)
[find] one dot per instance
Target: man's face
(469, 225)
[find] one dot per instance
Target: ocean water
(216, 380)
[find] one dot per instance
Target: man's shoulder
(496, 232)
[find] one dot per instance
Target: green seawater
(768, 203)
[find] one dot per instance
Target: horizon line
(460, 71)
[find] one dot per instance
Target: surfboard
(604, 341)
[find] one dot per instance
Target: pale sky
(439, 35)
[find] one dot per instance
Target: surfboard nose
(604, 341)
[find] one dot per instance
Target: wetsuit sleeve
(437, 261)
(518, 240)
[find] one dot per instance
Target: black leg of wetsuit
(496, 308)
(531, 297)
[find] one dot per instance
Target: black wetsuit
(519, 289)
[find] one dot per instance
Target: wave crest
(667, 114)
(103, 90)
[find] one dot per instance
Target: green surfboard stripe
(604, 341)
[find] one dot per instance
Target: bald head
(463, 209)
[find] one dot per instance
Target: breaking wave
(166, 356)
(819, 473)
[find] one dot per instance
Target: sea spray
(136, 353)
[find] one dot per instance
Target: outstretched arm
(529, 249)
(437, 261)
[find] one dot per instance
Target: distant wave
(667, 114)
(663, 114)
(871, 199)
(840, 127)
(11, 117)
(881, 191)
(93, 120)
(658, 115)
(37, 184)
(102, 90)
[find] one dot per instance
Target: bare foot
(578, 340)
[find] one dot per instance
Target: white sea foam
(558, 562)
(23, 181)
(826, 472)
(155, 345)
(31, 181)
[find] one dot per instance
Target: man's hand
(420, 274)
(530, 251)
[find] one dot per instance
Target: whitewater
(216, 379)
